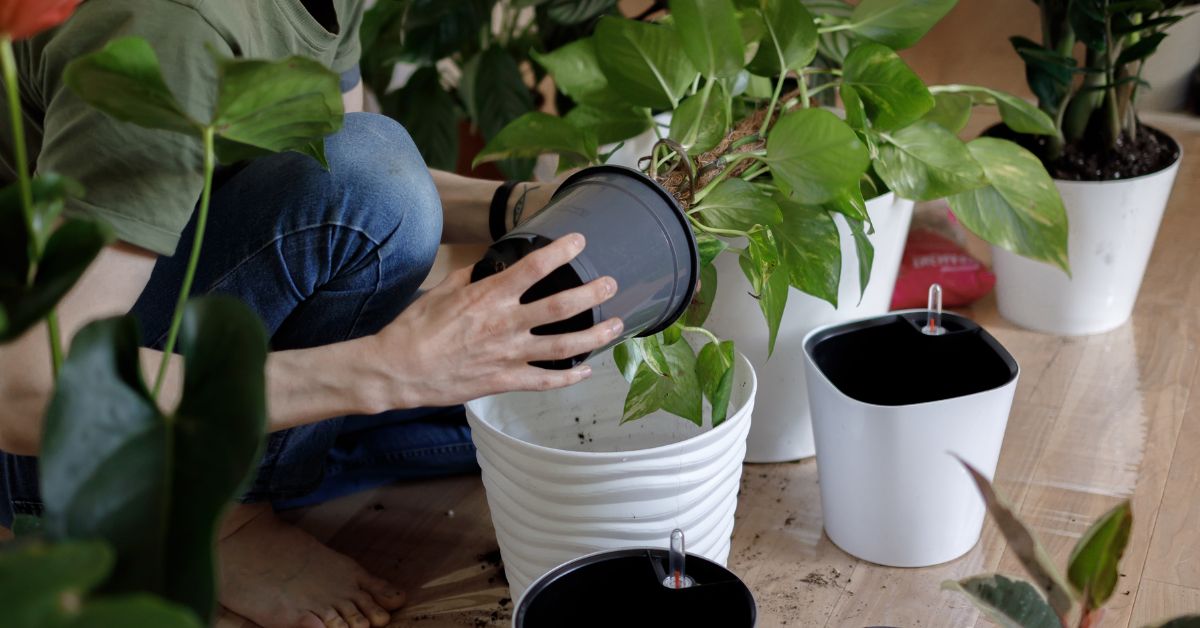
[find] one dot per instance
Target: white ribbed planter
(559, 488)
(782, 422)
(1112, 227)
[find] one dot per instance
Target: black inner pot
(623, 588)
(889, 361)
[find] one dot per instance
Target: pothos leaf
(677, 392)
(714, 367)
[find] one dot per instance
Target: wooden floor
(1096, 420)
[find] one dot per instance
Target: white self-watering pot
(564, 478)
(890, 404)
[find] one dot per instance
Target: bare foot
(281, 577)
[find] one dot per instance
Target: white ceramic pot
(889, 406)
(565, 479)
(782, 427)
(1112, 227)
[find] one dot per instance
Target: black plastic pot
(636, 233)
(624, 588)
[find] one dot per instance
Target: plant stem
(774, 99)
(732, 233)
(754, 171)
(701, 330)
(690, 138)
(193, 260)
(845, 26)
(821, 88)
(56, 345)
(733, 160)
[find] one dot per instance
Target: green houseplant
(1115, 174)
(97, 557)
(469, 57)
(762, 171)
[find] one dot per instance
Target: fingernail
(577, 240)
(615, 327)
(585, 371)
(610, 287)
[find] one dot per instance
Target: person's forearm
(465, 204)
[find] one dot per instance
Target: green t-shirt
(145, 183)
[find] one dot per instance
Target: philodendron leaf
(898, 23)
(814, 155)
(714, 367)
(536, 133)
(1017, 114)
(764, 269)
(114, 467)
(575, 68)
(702, 302)
(711, 36)
(950, 111)
(124, 80)
(1008, 603)
(924, 161)
(790, 41)
(429, 114)
(610, 124)
(710, 247)
(1020, 210)
(739, 205)
(812, 250)
(702, 120)
(1026, 548)
(1092, 568)
(677, 392)
(273, 106)
(891, 92)
(643, 62)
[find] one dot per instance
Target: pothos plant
(1052, 601)
(133, 492)
(469, 57)
(762, 171)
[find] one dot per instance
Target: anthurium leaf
(866, 254)
(35, 577)
(114, 468)
(124, 80)
(677, 391)
(711, 36)
(790, 40)
(714, 368)
(429, 114)
(1008, 603)
(811, 250)
(924, 161)
(1026, 548)
(536, 133)
(1092, 568)
(891, 92)
(702, 302)
(1020, 210)
(739, 205)
(950, 111)
(702, 120)
(274, 106)
(814, 155)
(1017, 114)
(643, 62)
(898, 23)
(575, 68)
(628, 356)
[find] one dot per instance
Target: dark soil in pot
(1093, 160)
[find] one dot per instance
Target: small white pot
(889, 406)
(1112, 227)
(565, 479)
(782, 425)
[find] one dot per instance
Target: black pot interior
(624, 588)
(888, 361)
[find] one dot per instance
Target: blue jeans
(321, 257)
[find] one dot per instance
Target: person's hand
(463, 340)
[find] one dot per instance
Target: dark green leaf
(814, 155)
(26, 525)
(429, 114)
(1008, 603)
(898, 23)
(812, 250)
(1026, 548)
(35, 578)
(856, 113)
(702, 302)
(610, 124)
(924, 161)
(501, 97)
(577, 11)
(738, 205)
(677, 392)
(1142, 49)
(711, 36)
(1048, 73)
(702, 120)
(771, 290)
(434, 29)
(124, 80)
(790, 42)
(891, 92)
(113, 467)
(537, 133)
(575, 69)
(759, 88)
(950, 111)
(1092, 568)
(866, 255)
(710, 246)
(643, 62)
(714, 367)
(1087, 19)
(1017, 114)
(1020, 210)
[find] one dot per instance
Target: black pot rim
(1175, 142)
(693, 248)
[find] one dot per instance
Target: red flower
(22, 19)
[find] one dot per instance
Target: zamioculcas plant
(762, 171)
(1052, 601)
(106, 436)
